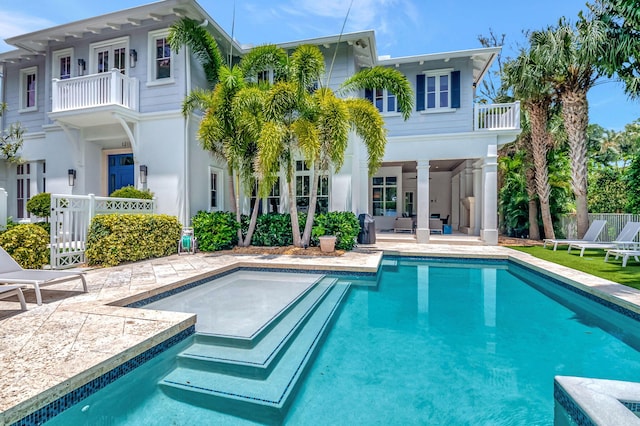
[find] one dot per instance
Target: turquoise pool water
(433, 344)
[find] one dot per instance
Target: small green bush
(215, 230)
(344, 225)
(273, 230)
(40, 205)
(132, 192)
(27, 244)
(117, 238)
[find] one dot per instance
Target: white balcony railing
(497, 116)
(109, 88)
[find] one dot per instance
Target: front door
(120, 171)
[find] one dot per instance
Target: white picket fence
(70, 219)
(615, 223)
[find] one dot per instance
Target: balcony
(93, 100)
(491, 117)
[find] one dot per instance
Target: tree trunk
(252, 222)
(313, 199)
(575, 112)
(235, 181)
(539, 148)
(534, 229)
(293, 212)
(232, 192)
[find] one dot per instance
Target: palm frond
(369, 125)
(265, 57)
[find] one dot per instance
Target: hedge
(27, 244)
(117, 238)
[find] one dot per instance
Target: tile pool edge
(55, 400)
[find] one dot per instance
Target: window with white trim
(28, 89)
(383, 100)
(438, 90)
(270, 204)
(303, 189)
(385, 195)
(160, 68)
(23, 189)
(215, 189)
(62, 60)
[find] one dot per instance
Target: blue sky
(403, 28)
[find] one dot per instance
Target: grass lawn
(592, 263)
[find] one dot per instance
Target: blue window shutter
(455, 89)
(420, 92)
(368, 94)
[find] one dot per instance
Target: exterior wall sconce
(72, 177)
(133, 58)
(143, 174)
(82, 66)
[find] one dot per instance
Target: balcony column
(489, 232)
(422, 232)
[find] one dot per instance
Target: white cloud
(16, 23)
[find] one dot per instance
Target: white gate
(70, 219)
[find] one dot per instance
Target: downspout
(187, 204)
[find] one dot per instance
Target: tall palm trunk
(252, 224)
(575, 110)
(534, 228)
(313, 199)
(539, 149)
(232, 191)
(293, 212)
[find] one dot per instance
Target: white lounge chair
(12, 273)
(625, 240)
(590, 236)
(13, 290)
(625, 253)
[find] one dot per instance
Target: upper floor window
(160, 58)
(28, 89)
(109, 55)
(438, 90)
(62, 60)
(384, 100)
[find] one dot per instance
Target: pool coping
(614, 293)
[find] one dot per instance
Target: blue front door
(120, 171)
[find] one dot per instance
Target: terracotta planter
(327, 243)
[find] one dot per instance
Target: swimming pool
(431, 344)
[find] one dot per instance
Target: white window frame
(24, 73)
(115, 41)
(385, 111)
(219, 190)
(383, 202)
(152, 79)
(306, 171)
(59, 54)
(437, 74)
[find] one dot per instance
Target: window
(108, 55)
(28, 89)
(303, 189)
(385, 192)
(384, 100)
(215, 189)
(23, 189)
(271, 204)
(408, 203)
(160, 68)
(438, 90)
(62, 60)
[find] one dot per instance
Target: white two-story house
(100, 100)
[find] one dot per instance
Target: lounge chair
(625, 253)
(12, 273)
(625, 240)
(590, 236)
(13, 290)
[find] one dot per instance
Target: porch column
(478, 198)
(455, 202)
(489, 233)
(422, 232)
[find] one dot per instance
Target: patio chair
(625, 240)
(625, 253)
(12, 273)
(13, 290)
(590, 236)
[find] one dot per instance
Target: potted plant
(324, 234)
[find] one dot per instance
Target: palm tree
(301, 120)
(568, 57)
(524, 76)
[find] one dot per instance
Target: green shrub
(40, 205)
(27, 244)
(132, 192)
(117, 238)
(344, 225)
(273, 230)
(215, 230)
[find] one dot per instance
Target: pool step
(257, 362)
(260, 400)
